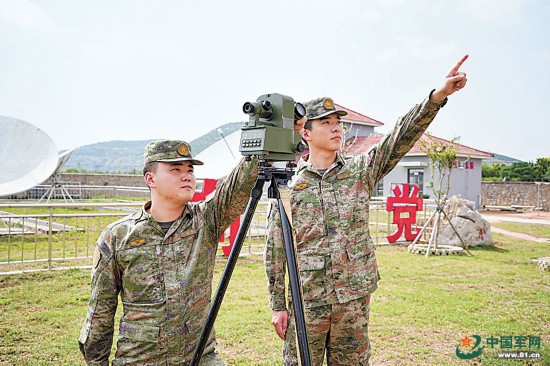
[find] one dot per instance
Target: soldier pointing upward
(329, 201)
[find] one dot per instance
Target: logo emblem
(183, 150)
(466, 350)
(328, 104)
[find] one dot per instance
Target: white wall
(466, 182)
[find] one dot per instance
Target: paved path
(519, 235)
(542, 218)
(525, 217)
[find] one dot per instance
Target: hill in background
(502, 159)
(127, 156)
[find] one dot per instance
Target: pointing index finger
(457, 66)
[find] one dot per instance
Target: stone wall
(492, 193)
(125, 180)
(87, 186)
(516, 193)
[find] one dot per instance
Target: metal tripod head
(278, 176)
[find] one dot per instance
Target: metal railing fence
(41, 236)
(62, 235)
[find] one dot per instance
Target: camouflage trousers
(339, 330)
(212, 359)
(209, 359)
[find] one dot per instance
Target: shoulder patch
(105, 249)
(343, 176)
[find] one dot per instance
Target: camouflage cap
(168, 151)
(322, 107)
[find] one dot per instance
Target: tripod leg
(66, 193)
(255, 196)
(296, 288)
(46, 193)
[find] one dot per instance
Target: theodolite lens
(248, 108)
(299, 110)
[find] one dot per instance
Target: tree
(442, 156)
(524, 171)
(543, 167)
(492, 172)
(347, 140)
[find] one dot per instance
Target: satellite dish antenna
(57, 185)
(219, 158)
(63, 157)
(28, 156)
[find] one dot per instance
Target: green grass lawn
(422, 308)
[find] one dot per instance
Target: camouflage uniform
(330, 218)
(164, 281)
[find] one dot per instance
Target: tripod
(275, 176)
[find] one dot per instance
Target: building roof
(364, 143)
(356, 117)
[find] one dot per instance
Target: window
(379, 189)
(416, 177)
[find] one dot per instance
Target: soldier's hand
(299, 125)
(454, 81)
(279, 320)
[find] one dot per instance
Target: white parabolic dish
(28, 156)
(219, 158)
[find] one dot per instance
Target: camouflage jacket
(330, 219)
(164, 281)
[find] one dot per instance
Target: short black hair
(150, 167)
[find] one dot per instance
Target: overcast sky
(92, 71)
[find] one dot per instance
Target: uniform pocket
(183, 245)
(139, 332)
(307, 213)
(363, 268)
(313, 275)
(357, 251)
(143, 280)
(137, 342)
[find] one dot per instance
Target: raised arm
(383, 157)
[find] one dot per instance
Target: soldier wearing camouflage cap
(322, 107)
(160, 260)
(329, 198)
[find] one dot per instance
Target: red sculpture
(404, 205)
